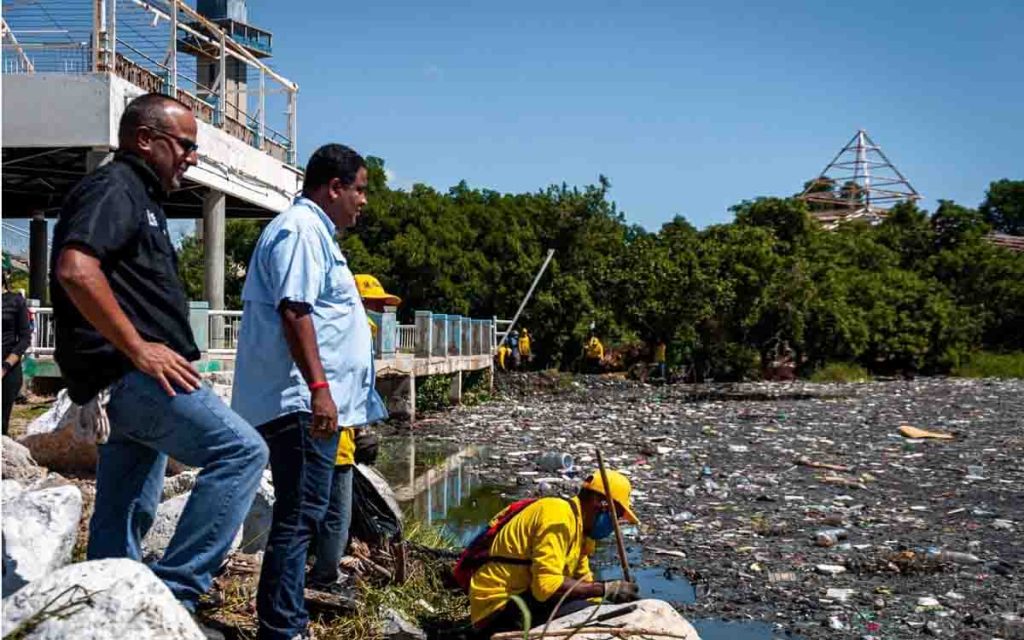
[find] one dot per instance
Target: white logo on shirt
(152, 218)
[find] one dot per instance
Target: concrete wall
(56, 110)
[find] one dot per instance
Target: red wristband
(313, 386)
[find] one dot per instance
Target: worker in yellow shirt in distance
(503, 352)
(594, 354)
(660, 352)
(524, 345)
(542, 552)
(332, 538)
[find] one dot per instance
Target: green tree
(1003, 207)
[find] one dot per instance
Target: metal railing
(223, 327)
(406, 338)
(44, 336)
(164, 46)
(222, 331)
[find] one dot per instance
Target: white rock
(397, 627)
(18, 463)
(928, 601)
(653, 616)
(39, 532)
(179, 484)
(10, 489)
(256, 527)
(125, 601)
(164, 524)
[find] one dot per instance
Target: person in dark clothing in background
(16, 338)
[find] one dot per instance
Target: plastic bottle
(830, 537)
(555, 461)
(955, 557)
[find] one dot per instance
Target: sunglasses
(187, 145)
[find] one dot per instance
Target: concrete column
(455, 388)
(424, 334)
(214, 205)
(38, 258)
(400, 395)
(409, 389)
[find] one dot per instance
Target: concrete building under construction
(71, 66)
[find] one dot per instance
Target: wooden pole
(619, 543)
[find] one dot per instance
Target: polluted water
(445, 489)
(805, 507)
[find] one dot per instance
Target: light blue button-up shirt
(298, 259)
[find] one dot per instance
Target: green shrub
(984, 364)
(432, 393)
(840, 372)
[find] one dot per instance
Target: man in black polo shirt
(124, 341)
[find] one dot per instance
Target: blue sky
(688, 108)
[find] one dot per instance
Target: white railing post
(263, 108)
(99, 21)
(293, 127)
(222, 81)
(112, 37)
(173, 53)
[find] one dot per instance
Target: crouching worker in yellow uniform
(538, 549)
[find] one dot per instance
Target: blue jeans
(301, 466)
(332, 538)
(147, 426)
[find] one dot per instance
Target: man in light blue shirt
(304, 366)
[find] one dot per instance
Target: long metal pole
(619, 543)
(529, 294)
(174, 49)
(112, 37)
(222, 79)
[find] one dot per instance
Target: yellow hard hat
(370, 289)
(620, 490)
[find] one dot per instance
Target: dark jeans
(302, 467)
(332, 538)
(11, 389)
(511, 617)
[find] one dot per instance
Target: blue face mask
(603, 526)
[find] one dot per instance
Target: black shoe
(339, 589)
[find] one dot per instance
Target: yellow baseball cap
(370, 289)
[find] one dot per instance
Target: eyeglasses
(187, 145)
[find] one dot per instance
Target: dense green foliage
(992, 365)
(840, 372)
(918, 292)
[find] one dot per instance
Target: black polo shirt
(115, 213)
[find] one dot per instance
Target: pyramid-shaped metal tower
(859, 184)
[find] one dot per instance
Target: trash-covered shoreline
(796, 504)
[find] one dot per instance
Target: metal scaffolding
(859, 183)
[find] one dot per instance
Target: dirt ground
(733, 484)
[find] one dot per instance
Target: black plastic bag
(376, 517)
